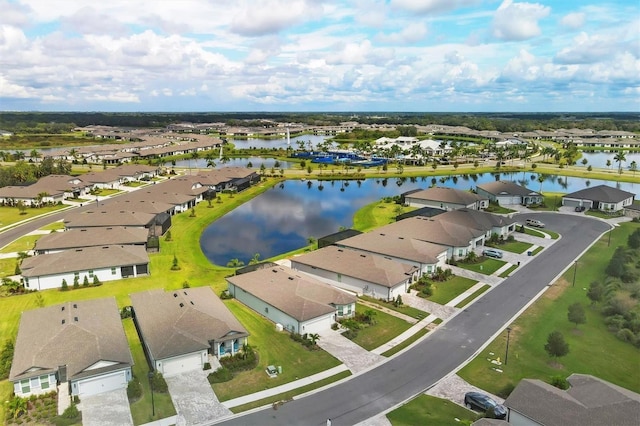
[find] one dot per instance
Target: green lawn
(386, 327)
(593, 349)
(443, 292)
(603, 215)
(429, 410)
(553, 235)
(11, 215)
(498, 209)
(473, 295)
(403, 309)
(530, 231)
(513, 246)
(377, 214)
(141, 409)
(397, 348)
(274, 348)
(487, 265)
(55, 226)
(21, 244)
(508, 272)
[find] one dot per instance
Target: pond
(599, 159)
(283, 218)
(235, 162)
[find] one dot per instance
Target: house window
(266, 310)
(76, 275)
(113, 271)
(340, 278)
(44, 382)
(340, 310)
(91, 274)
(460, 252)
(24, 386)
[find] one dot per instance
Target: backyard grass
(7, 268)
(11, 215)
(403, 309)
(141, 409)
(273, 348)
(377, 214)
(443, 292)
(429, 410)
(473, 295)
(286, 396)
(593, 349)
(498, 209)
(21, 244)
(55, 226)
(386, 327)
(508, 272)
(513, 246)
(533, 232)
(487, 265)
(406, 343)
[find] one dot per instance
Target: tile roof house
(589, 401)
(179, 329)
(90, 237)
(300, 303)
(508, 193)
(445, 198)
(357, 271)
(107, 263)
(601, 197)
(489, 223)
(81, 344)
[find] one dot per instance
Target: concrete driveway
(106, 409)
(194, 400)
(353, 356)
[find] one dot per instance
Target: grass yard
(405, 343)
(514, 246)
(498, 209)
(141, 409)
(537, 250)
(403, 309)
(508, 272)
(487, 265)
(11, 215)
(530, 231)
(429, 410)
(593, 349)
(386, 327)
(377, 214)
(273, 348)
(443, 292)
(553, 235)
(7, 268)
(473, 295)
(21, 244)
(55, 226)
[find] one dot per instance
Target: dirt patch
(555, 365)
(556, 290)
(577, 332)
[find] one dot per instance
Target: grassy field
(429, 410)
(377, 214)
(443, 292)
(486, 265)
(593, 349)
(386, 327)
(274, 348)
(11, 215)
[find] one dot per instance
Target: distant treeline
(62, 122)
(26, 173)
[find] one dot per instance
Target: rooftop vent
(363, 255)
(291, 278)
(191, 301)
(181, 305)
(75, 319)
(75, 305)
(175, 294)
(63, 321)
(62, 308)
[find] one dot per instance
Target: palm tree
(314, 337)
(541, 179)
(255, 259)
(235, 263)
(619, 158)
(633, 166)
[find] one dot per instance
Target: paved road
(443, 350)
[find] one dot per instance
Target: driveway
(194, 400)
(353, 356)
(106, 409)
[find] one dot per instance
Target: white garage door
(104, 383)
(181, 364)
(318, 326)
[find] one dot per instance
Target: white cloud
(432, 6)
(271, 16)
(518, 21)
(13, 13)
(587, 49)
(412, 33)
(573, 20)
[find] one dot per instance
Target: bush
(207, 366)
(559, 382)
(245, 360)
(6, 356)
(220, 375)
(158, 383)
(335, 326)
(506, 390)
(134, 390)
(224, 295)
(350, 334)
(65, 286)
(71, 412)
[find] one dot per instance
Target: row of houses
(81, 346)
(110, 240)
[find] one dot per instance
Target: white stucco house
(445, 199)
(508, 193)
(601, 197)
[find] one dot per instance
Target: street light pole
(609, 240)
(506, 354)
(153, 405)
(575, 268)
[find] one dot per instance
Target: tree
(235, 263)
(64, 286)
(17, 406)
(633, 166)
(369, 316)
(576, 314)
(174, 265)
(584, 161)
(619, 158)
(595, 292)
(255, 259)
(556, 346)
(314, 337)
(634, 239)
(608, 163)
(22, 208)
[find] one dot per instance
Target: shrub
(245, 360)
(134, 390)
(506, 390)
(207, 366)
(85, 281)
(96, 281)
(64, 286)
(158, 383)
(71, 412)
(350, 334)
(6, 356)
(559, 382)
(224, 295)
(220, 375)
(335, 326)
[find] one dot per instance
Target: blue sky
(320, 55)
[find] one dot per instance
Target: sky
(320, 55)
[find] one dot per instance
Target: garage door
(181, 364)
(570, 202)
(103, 383)
(318, 326)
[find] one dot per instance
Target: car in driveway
(580, 208)
(482, 402)
(535, 222)
(491, 252)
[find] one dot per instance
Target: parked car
(580, 208)
(535, 222)
(481, 402)
(491, 252)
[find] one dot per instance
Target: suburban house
(299, 303)
(107, 263)
(48, 189)
(601, 197)
(489, 223)
(81, 345)
(459, 240)
(111, 214)
(229, 178)
(444, 198)
(180, 329)
(589, 401)
(424, 255)
(356, 271)
(90, 237)
(508, 193)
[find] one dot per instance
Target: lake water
(284, 217)
(599, 159)
(235, 162)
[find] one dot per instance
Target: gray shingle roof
(108, 215)
(83, 259)
(503, 187)
(603, 193)
(371, 268)
(447, 195)
(300, 296)
(476, 219)
(433, 230)
(589, 401)
(75, 334)
(182, 321)
(396, 246)
(87, 237)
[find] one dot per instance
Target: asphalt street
(446, 348)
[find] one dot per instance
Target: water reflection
(284, 217)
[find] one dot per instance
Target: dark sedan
(481, 402)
